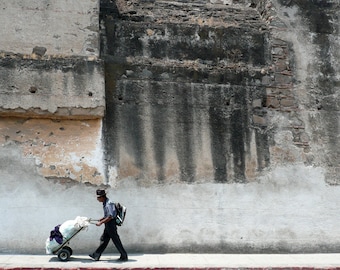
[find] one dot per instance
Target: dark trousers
(110, 232)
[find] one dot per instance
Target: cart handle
(93, 221)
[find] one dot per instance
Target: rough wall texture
(70, 88)
(49, 63)
(312, 27)
(186, 92)
(65, 28)
(49, 71)
(52, 100)
(220, 128)
(218, 92)
(64, 150)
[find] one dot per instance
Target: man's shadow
(89, 260)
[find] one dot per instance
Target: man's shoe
(122, 259)
(94, 257)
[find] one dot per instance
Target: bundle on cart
(60, 236)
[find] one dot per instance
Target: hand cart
(64, 251)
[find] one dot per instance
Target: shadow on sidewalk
(89, 260)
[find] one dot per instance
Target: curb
(169, 268)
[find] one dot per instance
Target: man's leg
(104, 241)
(116, 241)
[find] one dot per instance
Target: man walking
(110, 231)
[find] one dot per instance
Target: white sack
(67, 229)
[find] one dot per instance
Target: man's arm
(104, 220)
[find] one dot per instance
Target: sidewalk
(176, 261)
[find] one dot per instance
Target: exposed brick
(287, 102)
(272, 102)
(282, 79)
(258, 120)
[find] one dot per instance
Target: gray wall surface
(217, 125)
(62, 27)
(291, 209)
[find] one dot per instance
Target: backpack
(121, 213)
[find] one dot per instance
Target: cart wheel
(64, 254)
(69, 249)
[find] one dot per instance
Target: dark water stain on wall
(180, 100)
(184, 132)
(159, 113)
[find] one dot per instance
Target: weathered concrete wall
(49, 63)
(62, 27)
(52, 101)
(312, 29)
(49, 70)
(71, 88)
(177, 86)
(185, 96)
(186, 103)
(231, 106)
(291, 209)
(31, 206)
(68, 151)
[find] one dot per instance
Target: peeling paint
(62, 148)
